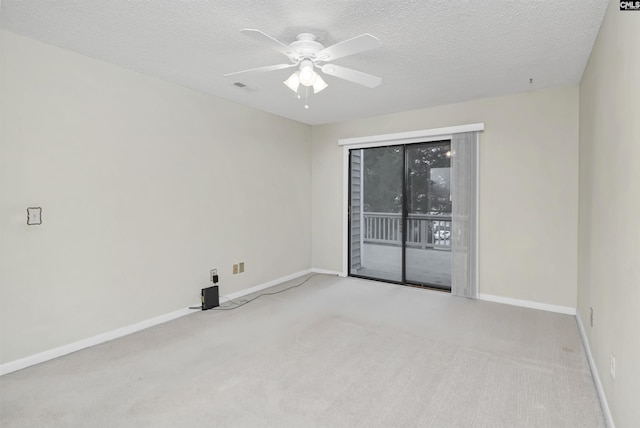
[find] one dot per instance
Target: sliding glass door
(400, 214)
(428, 220)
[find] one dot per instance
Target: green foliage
(382, 187)
(428, 178)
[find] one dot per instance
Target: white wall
(144, 186)
(609, 237)
(528, 189)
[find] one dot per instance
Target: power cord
(245, 301)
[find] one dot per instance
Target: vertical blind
(464, 157)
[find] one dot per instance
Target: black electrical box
(210, 298)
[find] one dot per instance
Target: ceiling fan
(309, 56)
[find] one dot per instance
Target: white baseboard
(568, 310)
(269, 284)
(594, 372)
(326, 272)
(41, 357)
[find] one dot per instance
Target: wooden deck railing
(423, 230)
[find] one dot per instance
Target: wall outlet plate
(240, 267)
(235, 269)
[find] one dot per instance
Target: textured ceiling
(433, 52)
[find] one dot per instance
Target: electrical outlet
(591, 316)
(212, 273)
(235, 269)
(240, 267)
(613, 366)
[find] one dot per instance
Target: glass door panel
(376, 199)
(428, 214)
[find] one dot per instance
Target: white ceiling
(433, 52)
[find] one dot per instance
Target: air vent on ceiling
(243, 86)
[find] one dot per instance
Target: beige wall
(609, 236)
(528, 189)
(144, 187)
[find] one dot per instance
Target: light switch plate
(34, 216)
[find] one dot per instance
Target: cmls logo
(630, 5)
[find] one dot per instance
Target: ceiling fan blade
(361, 43)
(351, 75)
(262, 69)
(266, 39)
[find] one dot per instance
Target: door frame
(423, 136)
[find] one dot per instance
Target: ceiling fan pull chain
(306, 97)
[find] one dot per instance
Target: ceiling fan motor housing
(305, 47)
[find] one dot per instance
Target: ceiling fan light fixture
(307, 75)
(293, 82)
(319, 84)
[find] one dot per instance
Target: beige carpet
(331, 353)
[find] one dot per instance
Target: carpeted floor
(334, 352)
